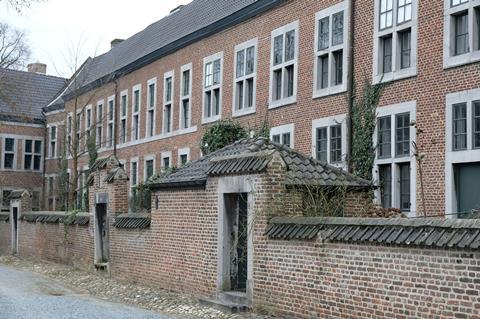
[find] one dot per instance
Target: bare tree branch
(19, 5)
(14, 50)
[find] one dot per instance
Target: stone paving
(150, 298)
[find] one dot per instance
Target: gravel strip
(150, 298)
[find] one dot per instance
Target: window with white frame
(134, 173)
(461, 43)
(283, 65)
(395, 40)
(331, 53)
(88, 122)
(136, 106)
(168, 79)
(99, 116)
(32, 155)
(78, 127)
(53, 141)
(166, 160)
(283, 135)
(212, 87)
(110, 121)
(151, 106)
(245, 78)
(9, 151)
(329, 142)
(123, 116)
(186, 96)
(183, 156)
(149, 167)
(69, 131)
(395, 165)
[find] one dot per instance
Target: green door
(467, 187)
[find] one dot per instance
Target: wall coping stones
(430, 232)
(81, 219)
(133, 221)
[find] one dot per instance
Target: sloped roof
(192, 22)
(429, 232)
(252, 156)
(24, 94)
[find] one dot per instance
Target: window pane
(387, 54)
(323, 33)
(240, 63)
(250, 61)
(289, 70)
(168, 89)
(405, 48)
(459, 127)
(278, 50)
(384, 137)
(476, 124)
(216, 95)
(322, 144)
(137, 101)
(151, 90)
(323, 72)
(216, 72)
(386, 14)
(337, 29)
(276, 138)
(402, 140)
(186, 113)
(8, 160)
(28, 146)
(277, 84)
(249, 93)
(124, 105)
(208, 74)
(183, 159)
(461, 33)
(290, 45)
(239, 92)
(186, 83)
(37, 160)
(336, 144)
(404, 11)
(405, 187)
(338, 65)
(286, 139)
(38, 147)
(385, 174)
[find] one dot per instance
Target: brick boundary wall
(5, 240)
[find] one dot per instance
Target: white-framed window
(212, 87)
(395, 164)
(186, 96)
(166, 160)
(123, 116)
(110, 121)
(245, 78)
(331, 50)
(9, 157)
(88, 122)
(284, 65)
(134, 172)
(395, 40)
(79, 131)
(462, 149)
(151, 106)
(183, 156)
(32, 154)
(69, 131)
(148, 167)
(52, 133)
(329, 140)
(136, 108)
(461, 36)
(99, 124)
(168, 81)
(283, 135)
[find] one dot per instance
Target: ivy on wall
(221, 134)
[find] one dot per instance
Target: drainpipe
(351, 82)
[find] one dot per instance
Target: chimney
(115, 42)
(37, 68)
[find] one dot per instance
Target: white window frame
(134, 160)
(183, 151)
(167, 75)
(33, 154)
(469, 155)
(49, 127)
(15, 152)
(245, 110)
(147, 158)
(211, 59)
(283, 31)
(151, 108)
(80, 115)
(123, 117)
(393, 111)
(166, 155)
(99, 123)
(330, 12)
(110, 122)
(397, 73)
(279, 130)
(88, 110)
(328, 122)
(136, 88)
(450, 60)
(184, 68)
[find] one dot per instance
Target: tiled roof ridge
(33, 73)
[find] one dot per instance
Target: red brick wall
(311, 279)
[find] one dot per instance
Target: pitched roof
(430, 232)
(24, 94)
(252, 156)
(191, 23)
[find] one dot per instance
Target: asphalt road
(26, 295)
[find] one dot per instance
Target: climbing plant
(363, 122)
(221, 134)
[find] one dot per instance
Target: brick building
(22, 129)
(293, 63)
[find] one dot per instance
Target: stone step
(225, 306)
(237, 297)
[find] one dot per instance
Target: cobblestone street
(104, 289)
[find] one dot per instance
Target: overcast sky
(56, 28)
